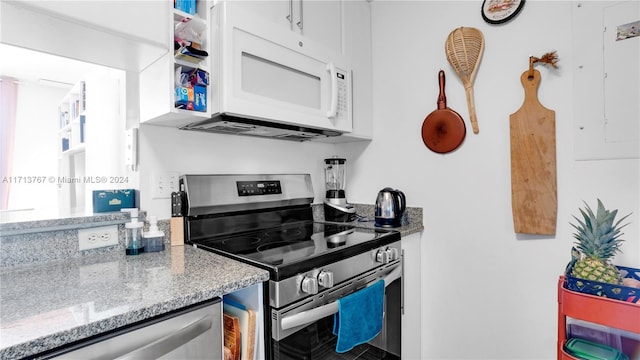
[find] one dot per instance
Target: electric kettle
(390, 207)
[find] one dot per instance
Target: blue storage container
(113, 200)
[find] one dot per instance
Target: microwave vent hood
(228, 124)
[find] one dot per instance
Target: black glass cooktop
(293, 248)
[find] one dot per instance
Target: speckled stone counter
(411, 224)
(64, 223)
(49, 305)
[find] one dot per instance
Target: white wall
(487, 293)
(105, 135)
(36, 146)
(188, 152)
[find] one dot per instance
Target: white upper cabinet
(321, 22)
(357, 50)
(303, 64)
(267, 72)
(175, 90)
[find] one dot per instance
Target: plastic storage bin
(578, 329)
(588, 350)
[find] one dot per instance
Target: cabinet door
(279, 12)
(357, 50)
(411, 319)
(321, 22)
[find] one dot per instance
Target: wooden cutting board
(247, 325)
(231, 327)
(533, 163)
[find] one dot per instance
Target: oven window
(317, 342)
(269, 79)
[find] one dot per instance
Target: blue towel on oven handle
(359, 317)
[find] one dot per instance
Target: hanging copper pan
(443, 130)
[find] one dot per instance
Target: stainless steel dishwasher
(191, 333)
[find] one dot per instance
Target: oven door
(304, 330)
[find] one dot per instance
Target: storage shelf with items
(190, 59)
(243, 314)
(72, 120)
(176, 87)
(621, 314)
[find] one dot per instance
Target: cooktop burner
(293, 248)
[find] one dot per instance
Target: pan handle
(442, 99)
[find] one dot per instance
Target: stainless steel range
(267, 221)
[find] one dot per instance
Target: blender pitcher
(336, 207)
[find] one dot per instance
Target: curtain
(8, 97)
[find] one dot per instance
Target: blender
(336, 207)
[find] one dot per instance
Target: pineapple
(598, 239)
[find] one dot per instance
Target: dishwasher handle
(170, 342)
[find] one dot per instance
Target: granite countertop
(48, 305)
(411, 223)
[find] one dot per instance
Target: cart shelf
(608, 312)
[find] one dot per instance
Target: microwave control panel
(252, 188)
(342, 94)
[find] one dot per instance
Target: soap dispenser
(133, 240)
(154, 238)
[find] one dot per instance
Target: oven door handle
(315, 314)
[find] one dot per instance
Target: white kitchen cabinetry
(321, 22)
(343, 27)
(158, 82)
(264, 74)
(335, 31)
(357, 40)
(411, 318)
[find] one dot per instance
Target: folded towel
(359, 317)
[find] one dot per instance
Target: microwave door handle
(333, 107)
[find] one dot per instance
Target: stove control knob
(382, 256)
(392, 253)
(310, 285)
(325, 279)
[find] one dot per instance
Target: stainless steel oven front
(303, 328)
(266, 220)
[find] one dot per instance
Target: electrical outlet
(164, 184)
(97, 237)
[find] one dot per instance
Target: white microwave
(268, 81)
